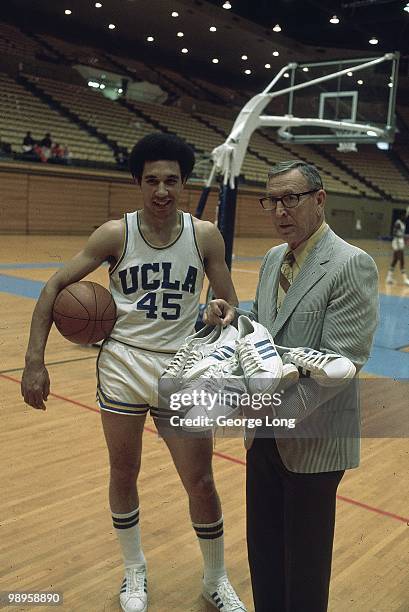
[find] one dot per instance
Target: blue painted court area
(386, 358)
(22, 287)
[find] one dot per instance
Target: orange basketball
(84, 312)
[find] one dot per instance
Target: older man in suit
(317, 291)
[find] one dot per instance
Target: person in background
(398, 247)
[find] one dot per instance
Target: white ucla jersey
(157, 289)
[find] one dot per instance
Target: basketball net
(346, 147)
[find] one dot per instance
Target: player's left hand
(219, 312)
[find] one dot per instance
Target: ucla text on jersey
(157, 289)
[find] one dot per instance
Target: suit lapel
(274, 274)
(313, 269)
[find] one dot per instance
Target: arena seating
(376, 166)
(370, 173)
(96, 110)
(79, 54)
(21, 111)
(14, 42)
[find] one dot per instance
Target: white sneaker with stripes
(261, 364)
(188, 354)
(200, 359)
(224, 597)
(214, 394)
(195, 348)
(133, 596)
(328, 369)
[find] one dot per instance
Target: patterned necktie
(286, 271)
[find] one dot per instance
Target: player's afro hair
(158, 146)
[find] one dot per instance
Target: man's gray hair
(308, 170)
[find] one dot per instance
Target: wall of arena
(43, 200)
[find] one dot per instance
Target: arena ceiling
(243, 46)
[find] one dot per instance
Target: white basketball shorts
(127, 378)
(398, 244)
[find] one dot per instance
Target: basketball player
(398, 247)
(158, 257)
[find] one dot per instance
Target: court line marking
(347, 500)
(52, 363)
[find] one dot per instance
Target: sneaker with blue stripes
(202, 357)
(260, 362)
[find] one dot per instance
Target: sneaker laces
(193, 358)
(216, 371)
(176, 364)
(228, 595)
(313, 360)
(249, 357)
(137, 582)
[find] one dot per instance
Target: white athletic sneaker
(199, 360)
(224, 597)
(216, 393)
(133, 596)
(261, 364)
(328, 369)
(189, 354)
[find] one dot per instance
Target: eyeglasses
(291, 200)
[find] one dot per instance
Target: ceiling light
(112, 26)
(276, 53)
(373, 40)
(175, 14)
(286, 75)
(334, 19)
(184, 50)
(227, 5)
(180, 34)
(390, 85)
(213, 28)
(383, 146)
(98, 4)
(120, 90)
(267, 66)
(93, 84)
(102, 86)
(247, 71)
(349, 73)
(360, 82)
(371, 133)
(305, 69)
(406, 8)
(244, 57)
(215, 60)
(67, 12)
(150, 39)
(277, 28)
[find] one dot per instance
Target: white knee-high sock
(129, 536)
(211, 541)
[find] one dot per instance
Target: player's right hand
(219, 312)
(35, 386)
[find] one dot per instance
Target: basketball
(84, 312)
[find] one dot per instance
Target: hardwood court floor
(55, 527)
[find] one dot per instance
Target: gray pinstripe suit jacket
(331, 306)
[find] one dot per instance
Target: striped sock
(129, 537)
(211, 541)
